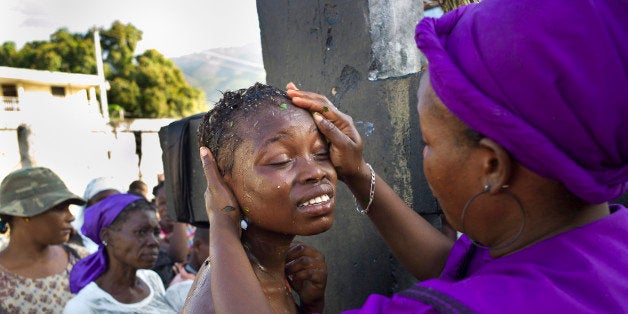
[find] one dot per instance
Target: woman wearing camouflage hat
(34, 267)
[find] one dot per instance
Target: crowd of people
(521, 111)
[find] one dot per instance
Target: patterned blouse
(43, 295)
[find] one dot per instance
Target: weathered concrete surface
(333, 47)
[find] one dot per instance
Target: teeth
(316, 200)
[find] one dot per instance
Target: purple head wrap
(97, 216)
(547, 80)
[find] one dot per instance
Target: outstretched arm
(420, 247)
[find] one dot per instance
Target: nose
(68, 214)
(153, 240)
(311, 171)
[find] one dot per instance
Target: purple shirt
(580, 270)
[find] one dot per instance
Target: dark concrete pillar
(361, 55)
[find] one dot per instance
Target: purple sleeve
(380, 304)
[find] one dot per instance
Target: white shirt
(92, 299)
(177, 293)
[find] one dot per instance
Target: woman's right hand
(219, 199)
(346, 144)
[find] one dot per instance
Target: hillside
(221, 69)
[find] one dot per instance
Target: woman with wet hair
(277, 170)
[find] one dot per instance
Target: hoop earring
(487, 188)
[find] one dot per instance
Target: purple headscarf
(97, 216)
(547, 80)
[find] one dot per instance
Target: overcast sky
(173, 27)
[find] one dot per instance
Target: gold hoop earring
(487, 188)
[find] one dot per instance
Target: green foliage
(144, 86)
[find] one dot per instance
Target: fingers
(291, 86)
(218, 195)
(320, 104)
(314, 102)
(304, 262)
(209, 165)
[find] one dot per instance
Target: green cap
(31, 191)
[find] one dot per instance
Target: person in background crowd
(96, 190)
(138, 187)
(175, 238)
(117, 278)
(34, 267)
(186, 272)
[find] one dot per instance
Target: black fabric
(177, 168)
(441, 302)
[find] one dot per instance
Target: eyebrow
(284, 134)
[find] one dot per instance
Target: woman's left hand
(307, 273)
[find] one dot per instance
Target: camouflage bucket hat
(31, 191)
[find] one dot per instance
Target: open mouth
(316, 200)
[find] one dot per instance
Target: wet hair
(140, 204)
(221, 127)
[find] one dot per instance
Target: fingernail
(317, 117)
(203, 151)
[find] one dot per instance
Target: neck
(25, 246)
(545, 223)
(117, 276)
(267, 250)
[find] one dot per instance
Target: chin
(321, 225)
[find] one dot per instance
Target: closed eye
(280, 162)
(323, 155)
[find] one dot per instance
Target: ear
(104, 234)
(497, 165)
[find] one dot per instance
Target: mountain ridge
(221, 69)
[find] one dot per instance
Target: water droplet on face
(279, 186)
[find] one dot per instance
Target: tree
(145, 86)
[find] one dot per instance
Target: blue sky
(172, 27)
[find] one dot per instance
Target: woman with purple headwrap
(523, 113)
(117, 277)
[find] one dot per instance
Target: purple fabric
(545, 79)
(582, 270)
(97, 216)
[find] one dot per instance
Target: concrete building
(69, 133)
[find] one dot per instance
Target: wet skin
(280, 170)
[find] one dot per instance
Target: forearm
(420, 247)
